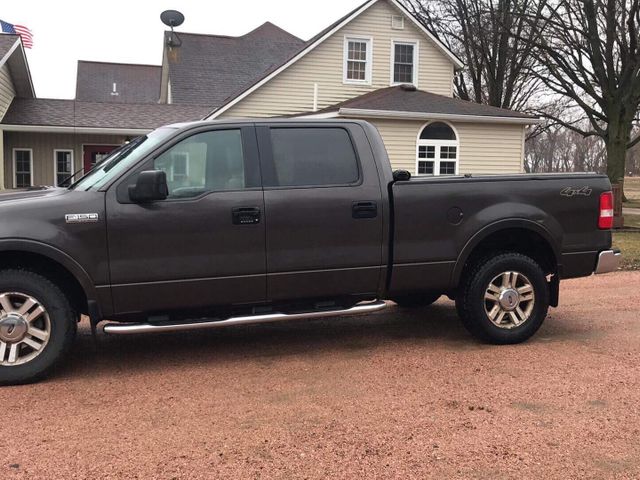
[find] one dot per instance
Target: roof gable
(133, 83)
(12, 54)
(208, 69)
(327, 33)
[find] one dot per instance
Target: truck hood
(31, 193)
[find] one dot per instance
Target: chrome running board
(130, 328)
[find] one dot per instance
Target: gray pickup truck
(208, 224)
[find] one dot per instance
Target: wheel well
(50, 269)
(517, 240)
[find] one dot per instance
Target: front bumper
(608, 261)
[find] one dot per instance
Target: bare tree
(490, 37)
(558, 149)
(589, 52)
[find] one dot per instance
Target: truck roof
(250, 121)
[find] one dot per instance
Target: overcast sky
(130, 31)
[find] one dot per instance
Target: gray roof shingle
(134, 83)
(73, 113)
(208, 69)
(408, 99)
(6, 42)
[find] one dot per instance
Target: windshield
(121, 160)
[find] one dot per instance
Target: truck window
(205, 162)
(312, 157)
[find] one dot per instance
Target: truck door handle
(245, 215)
(364, 210)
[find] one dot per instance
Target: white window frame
(368, 62)
(438, 144)
(416, 60)
(15, 173)
(55, 163)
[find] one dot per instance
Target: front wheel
(504, 299)
(37, 326)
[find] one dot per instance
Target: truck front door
(205, 244)
(323, 211)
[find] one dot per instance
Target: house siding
(43, 145)
(292, 91)
(485, 148)
(7, 90)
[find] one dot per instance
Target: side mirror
(150, 186)
(401, 175)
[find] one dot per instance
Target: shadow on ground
(348, 336)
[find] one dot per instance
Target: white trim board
(400, 115)
(455, 60)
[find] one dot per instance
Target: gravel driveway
(400, 394)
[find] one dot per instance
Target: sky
(66, 31)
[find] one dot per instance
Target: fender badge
(573, 191)
(81, 218)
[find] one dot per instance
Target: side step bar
(130, 328)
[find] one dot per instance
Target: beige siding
(484, 147)
(292, 90)
(7, 90)
(43, 145)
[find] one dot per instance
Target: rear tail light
(605, 218)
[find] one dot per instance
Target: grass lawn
(629, 243)
(632, 191)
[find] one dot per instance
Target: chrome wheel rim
(25, 328)
(509, 300)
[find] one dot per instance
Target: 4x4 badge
(81, 218)
(573, 191)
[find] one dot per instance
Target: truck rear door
(323, 212)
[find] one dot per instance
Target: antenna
(172, 18)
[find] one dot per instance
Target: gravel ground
(400, 394)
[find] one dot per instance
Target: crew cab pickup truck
(209, 224)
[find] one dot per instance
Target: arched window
(438, 150)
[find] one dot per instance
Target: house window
(63, 161)
(357, 60)
(179, 166)
(22, 168)
(405, 62)
(438, 150)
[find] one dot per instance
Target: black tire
(417, 300)
(470, 302)
(62, 321)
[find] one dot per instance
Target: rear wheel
(37, 326)
(417, 300)
(504, 299)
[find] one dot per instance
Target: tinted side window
(205, 162)
(313, 156)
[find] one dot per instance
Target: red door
(95, 153)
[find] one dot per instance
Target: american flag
(24, 32)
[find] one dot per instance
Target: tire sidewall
(63, 324)
(475, 303)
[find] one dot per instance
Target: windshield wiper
(118, 154)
